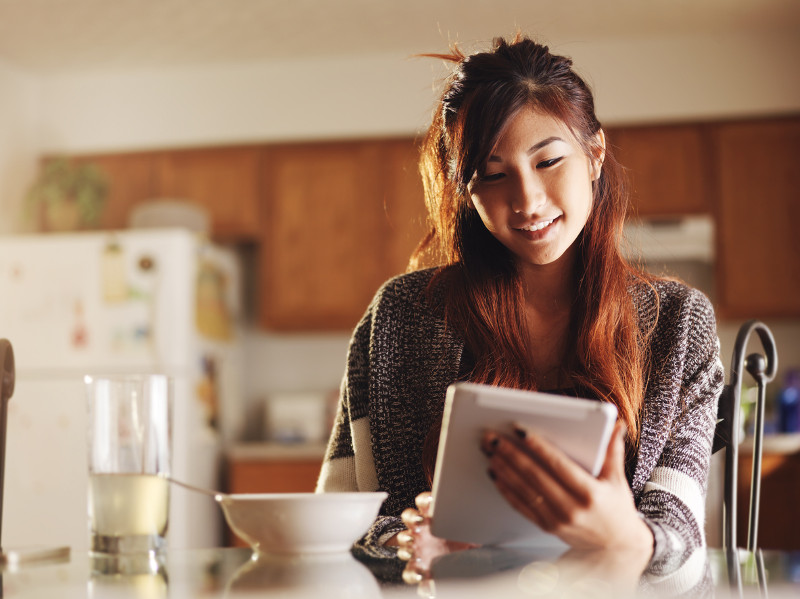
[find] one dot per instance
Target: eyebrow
(532, 149)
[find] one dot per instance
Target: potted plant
(67, 196)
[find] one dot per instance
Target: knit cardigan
(402, 357)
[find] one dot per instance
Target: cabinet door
(667, 166)
(780, 495)
(758, 248)
(404, 204)
(336, 226)
(131, 180)
(224, 181)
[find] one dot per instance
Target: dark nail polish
(489, 446)
(520, 432)
(492, 475)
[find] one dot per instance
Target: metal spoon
(218, 495)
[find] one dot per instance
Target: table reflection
(523, 573)
(128, 576)
(762, 573)
(330, 576)
(484, 573)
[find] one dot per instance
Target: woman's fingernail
(490, 445)
(404, 554)
(424, 501)
(492, 474)
(411, 576)
(411, 517)
(520, 432)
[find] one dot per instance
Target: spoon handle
(210, 492)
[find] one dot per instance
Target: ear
(600, 155)
(467, 195)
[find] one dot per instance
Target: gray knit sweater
(402, 358)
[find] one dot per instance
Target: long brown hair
(483, 294)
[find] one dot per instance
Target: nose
(529, 194)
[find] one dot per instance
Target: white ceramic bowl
(300, 523)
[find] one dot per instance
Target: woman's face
(536, 192)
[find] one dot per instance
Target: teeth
(538, 226)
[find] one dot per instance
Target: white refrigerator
(135, 301)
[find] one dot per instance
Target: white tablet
(466, 505)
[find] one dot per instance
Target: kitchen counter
(268, 450)
(233, 574)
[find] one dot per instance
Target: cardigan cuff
(372, 543)
(670, 551)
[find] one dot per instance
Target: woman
(527, 206)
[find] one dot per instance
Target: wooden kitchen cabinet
(131, 180)
(758, 247)
(778, 523)
(339, 219)
(405, 213)
(333, 220)
(225, 181)
(740, 172)
(668, 166)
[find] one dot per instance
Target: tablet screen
(466, 505)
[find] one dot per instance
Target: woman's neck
(549, 292)
(550, 288)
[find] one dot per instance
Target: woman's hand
(553, 491)
(417, 545)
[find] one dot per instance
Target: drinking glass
(130, 422)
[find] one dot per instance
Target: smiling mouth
(538, 226)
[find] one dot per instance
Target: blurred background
(285, 131)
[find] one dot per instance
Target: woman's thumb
(614, 463)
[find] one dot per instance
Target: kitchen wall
(19, 111)
(635, 80)
(323, 98)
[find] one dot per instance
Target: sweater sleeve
(673, 498)
(349, 463)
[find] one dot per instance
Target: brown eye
(492, 177)
(549, 163)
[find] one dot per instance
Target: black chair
(762, 369)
